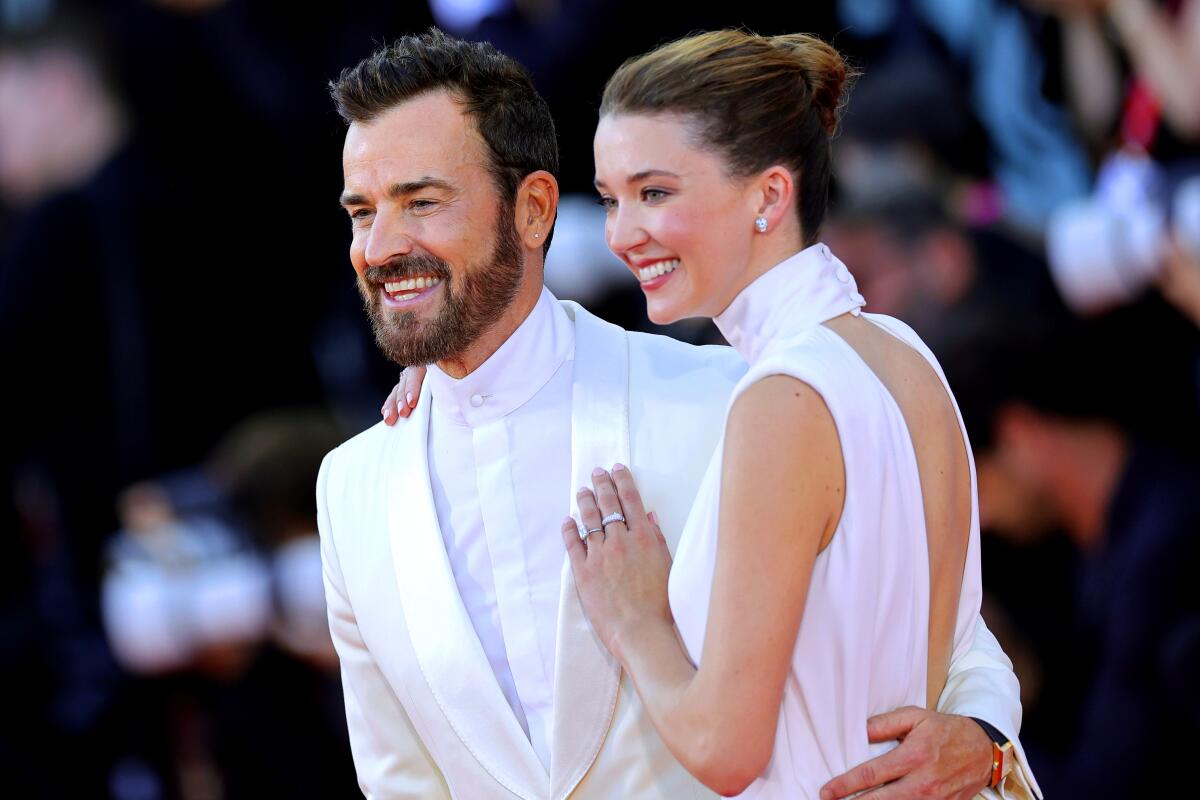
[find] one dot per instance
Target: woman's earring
(760, 224)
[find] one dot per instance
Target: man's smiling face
(434, 245)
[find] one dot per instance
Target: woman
(829, 569)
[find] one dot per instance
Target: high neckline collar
(513, 374)
(796, 294)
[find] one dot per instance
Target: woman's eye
(608, 203)
(652, 195)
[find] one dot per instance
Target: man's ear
(536, 208)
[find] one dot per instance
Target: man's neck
(490, 340)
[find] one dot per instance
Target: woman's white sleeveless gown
(863, 642)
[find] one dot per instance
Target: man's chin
(415, 343)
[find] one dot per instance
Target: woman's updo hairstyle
(756, 100)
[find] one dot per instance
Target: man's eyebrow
(420, 184)
(399, 190)
(641, 176)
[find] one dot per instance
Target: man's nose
(388, 238)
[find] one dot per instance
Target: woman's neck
(767, 251)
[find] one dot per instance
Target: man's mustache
(404, 267)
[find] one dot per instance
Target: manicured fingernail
(568, 521)
(409, 398)
(653, 517)
(583, 490)
(618, 467)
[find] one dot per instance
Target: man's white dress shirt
(500, 465)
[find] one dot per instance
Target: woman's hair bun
(825, 73)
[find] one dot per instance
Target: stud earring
(537, 236)
(760, 224)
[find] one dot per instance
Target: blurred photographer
(214, 597)
(1157, 105)
(1130, 71)
(1056, 460)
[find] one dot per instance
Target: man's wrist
(1002, 752)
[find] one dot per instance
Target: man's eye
(420, 205)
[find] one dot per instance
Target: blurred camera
(1104, 253)
(188, 587)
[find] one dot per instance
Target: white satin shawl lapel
(443, 638)
(586, 676)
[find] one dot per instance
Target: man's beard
(471, 303)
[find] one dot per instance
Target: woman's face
(674, 215)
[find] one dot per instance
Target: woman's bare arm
(782, 489)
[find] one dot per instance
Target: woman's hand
(403, 397)
(620, 568)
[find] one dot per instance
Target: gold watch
(1002, 753)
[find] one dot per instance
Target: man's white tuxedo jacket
(426, 716)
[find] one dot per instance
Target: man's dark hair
(495, 90)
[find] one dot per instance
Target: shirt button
(842, 273)
(477, 400)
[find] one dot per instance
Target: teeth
(660, 268)
(409, 285)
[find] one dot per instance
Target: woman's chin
(663, 313)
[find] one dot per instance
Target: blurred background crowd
(181, 341)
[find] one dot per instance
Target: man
(1057, 458)
(468, 666)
